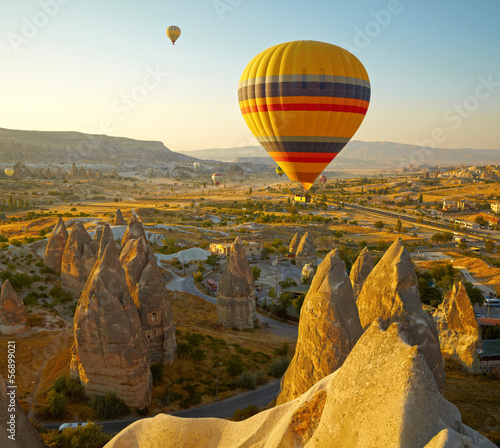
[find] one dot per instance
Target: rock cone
(391, 293)
(459, 332)
(110, 351)
(329, 327)
(78, 259)
(236, 290)
(119, 219)
(55, 246)
(151, 298)
(306, 252)
(25, 435)
(360, 270)
(294, 244)
(13, 314)
(134, 231)
(384, 395)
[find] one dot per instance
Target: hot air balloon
(323, 179)
(9, 172)
(196, 165)
(173, 33)
(217, 178)
(279, 171)
(304, 100)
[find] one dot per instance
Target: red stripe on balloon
(304, 107)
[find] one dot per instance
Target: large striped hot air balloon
(9, 172)
(304, 100)
(217, 178)
(173, 33)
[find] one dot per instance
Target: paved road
(261, 396)
(186, 284)
(477, 234)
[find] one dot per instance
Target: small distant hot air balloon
(323, 179)
(279, 171)
(9, 172)
(113, 157)
(173, 33)
(303, 101)
(217, 178)
(196, 165)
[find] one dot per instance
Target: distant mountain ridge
(366, 155)
(67, 147)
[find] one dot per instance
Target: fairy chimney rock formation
(307, 271)
(360, 270)
(114, 173)
(329, 327)
(13, 314)
(119, 220)
(73, 172)
(78, 259)
(459, 332)
(382, 396)
(294, 244)
(391, 293)
(236, 290)
(306, 252)
(151, 298)
(17, 432)
(134, 230)
(110, 351)
(55, 246)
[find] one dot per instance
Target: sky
(107, 67)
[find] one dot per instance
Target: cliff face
(110, 352)
(67, 147)
(152, 299)
(329, 328)
(236, 291)
(459, 332)
(390, 293)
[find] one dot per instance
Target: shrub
(278, 367)
(109, 406)
(15, 242)
(261, 377)
(60, 295)
(243, 414)
(192, 399)
(17, 280)
(88, 436)
(69, 387)
(31, 299)
(3, 238)
(282, 351)
(234, 366)
(57, 403)
(247, 380)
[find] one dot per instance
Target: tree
(57, 403)
(250, 191)
(474, 293)
(213, 260)
(256, 272)
(399, 225)
(198, 355)
(420, 198)
(489, 246)
(198, 277)
(234, 366)
(379, 225)
(481, 221)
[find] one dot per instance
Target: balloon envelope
(173, 33)
(217, 178)
(322, 179)
(304, 100)
(196, 165)
(9, 171)
(279, 171)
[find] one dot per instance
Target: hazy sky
(106, 66)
